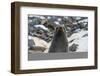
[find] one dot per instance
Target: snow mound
(78, 35)
(42, 27)
(82, 42)
(57, 23)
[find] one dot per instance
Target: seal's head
(59, 29)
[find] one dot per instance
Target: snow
(66, 17)
(80, 40)
(59, 19)
(56, 22)
(48, 17)
(77, 30)
(30, 37)
(77, 18)
(78, 35)
(41, 17)
(83, 44)
(42, 27)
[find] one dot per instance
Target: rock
(40, 42)
(38, 48)
(73, 47)
(31, 43)
(85, 35)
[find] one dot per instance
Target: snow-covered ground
(81, 39)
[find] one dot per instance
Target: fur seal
(59, 43)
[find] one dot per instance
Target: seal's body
(59, 43)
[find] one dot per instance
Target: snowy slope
(81, 40)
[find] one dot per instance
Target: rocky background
(41, 30)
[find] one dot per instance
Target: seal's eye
(60, 28)
(57, 29)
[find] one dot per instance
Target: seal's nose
(59, 29)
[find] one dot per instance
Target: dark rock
(73, 47)
(85, 35)
(71, 41)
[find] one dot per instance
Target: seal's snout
(59, 29)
